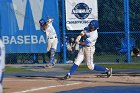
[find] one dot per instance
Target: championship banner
(19, 24)
(79, 13)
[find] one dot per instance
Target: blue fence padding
(29, 39)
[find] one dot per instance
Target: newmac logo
(81, 11)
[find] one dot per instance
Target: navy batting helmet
(42, 21)
(93, 24)
(86, 28)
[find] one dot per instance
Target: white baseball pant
(52, 43)
(86, 53)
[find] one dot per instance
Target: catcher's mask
(42, 22)
(136, 51)
(72, 40)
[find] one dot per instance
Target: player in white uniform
(52, 40)
(2, 64)
(87, 51)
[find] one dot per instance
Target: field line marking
(42, 88)
(23, 80)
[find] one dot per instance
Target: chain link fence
(111, 33)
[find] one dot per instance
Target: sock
(100, 68)
(73, 68)
(52, 57)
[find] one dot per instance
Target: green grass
(12, 70)
(113, 66)
(122, 66)
(112, 58)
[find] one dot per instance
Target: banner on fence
(79, 13)
(20, 30)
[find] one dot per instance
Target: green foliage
(111, 15)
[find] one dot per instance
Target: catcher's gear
(136, 51)
(78, 39)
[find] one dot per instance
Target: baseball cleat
(109, 73)
(66, 77)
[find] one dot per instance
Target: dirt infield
(77, 83)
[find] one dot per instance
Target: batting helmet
(42, 21)
(93, 24)
(86, 28)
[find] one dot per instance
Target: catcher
(135, 52)
(72, 49)
(86, 53)
(52, 40)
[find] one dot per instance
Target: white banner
(79, 13)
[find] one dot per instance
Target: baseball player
(52, 40)
(86, 53)
(73, 49)
(135, 51)
(2, 64)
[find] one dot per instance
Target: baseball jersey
(2, 55)
(91, 37)
(50, 31)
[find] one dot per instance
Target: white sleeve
(92, 37)
(50, 24)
